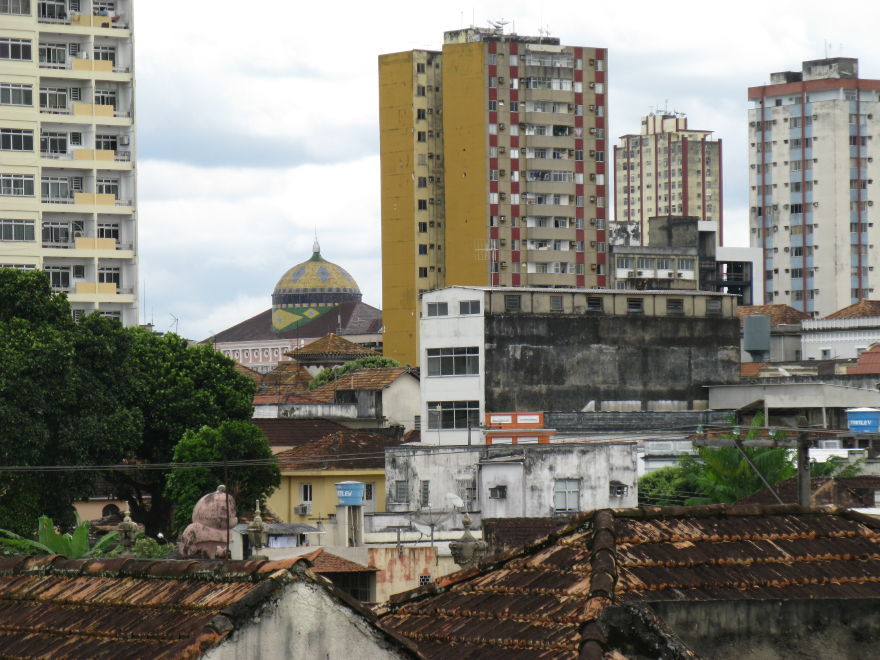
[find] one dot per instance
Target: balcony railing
(56, 111)
(58, 200)
(123, 156)
(57, 155)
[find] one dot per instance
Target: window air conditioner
(502, 219)
(593, 131)
(502, 172)
(593, 267)
(592, 243)
(500, 80)
(503, 264)
(592, 108)
(302, 509)
(502, 150)
(592, 85)
(501, 126)
(124, 140)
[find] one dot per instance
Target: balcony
(87, 243)
(83, 64)
(94, 154)
(95, 199)
(96, 288)
(94, 110)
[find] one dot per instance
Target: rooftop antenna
(498, 26)
(825, 41)
(175, 323)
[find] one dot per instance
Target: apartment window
(17, 185)
(305, 493)
(438, 309)
(60, 232)
(422, 136)
(512, 303)
(453, 414)
(624, 262)
(423, 205)
(498, 493)
(674, 306)
(686, 264)
(401, 491)
(59, 276)
(15, 49)
(594, 304)
(826, 353)
(55, 187)
(15, 7)
(467, 491)
(16, 94)
(52, 142)
(420, 67)
(425, 494)
(107, 187)
(108, 275)
(53, 99)
(421, 113)
(645, 262)
(105, 53)
(566, 495)
(664, 263)
(423, 227)
(469, 307)
(797, 273)
(713, 307)
(635, 306)
(422, 182)
(423, 271)
(420, 90)
(16, 230)
(108, 231)
(556, 304)
(106, 142)
(105, 97)
(423, 248)
(16, 139)
(458, 361)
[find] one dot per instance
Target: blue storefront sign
(863, 420)
(350, 493)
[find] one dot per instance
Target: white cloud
(259, 122)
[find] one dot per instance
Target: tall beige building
(67, 173)
(667, 169)
(493, 170)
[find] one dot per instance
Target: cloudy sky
(257, 122)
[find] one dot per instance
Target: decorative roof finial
(316, 248)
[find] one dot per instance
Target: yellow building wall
(324, 500)
(466, 158)
(396, 147)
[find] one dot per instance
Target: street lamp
(128, 531)
(258, 534)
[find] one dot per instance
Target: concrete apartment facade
(667, 169)
(812, 178)
(493, 170)
(513, 349)
(67, 149)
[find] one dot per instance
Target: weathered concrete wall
(631, 421)
(401, 568)
(305, 623)
(563, 362)
(776, 630)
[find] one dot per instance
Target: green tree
(230, 441)
(176, 387)
(369, 362)
(669, 486)
(62, 400)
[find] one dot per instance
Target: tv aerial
(498, 25)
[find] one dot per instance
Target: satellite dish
(454, 500)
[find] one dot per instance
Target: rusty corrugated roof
(295, 431)
(287, 377)
(326, 562)
(138, 609)
(545, 600)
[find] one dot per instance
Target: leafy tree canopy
(232, 440)
(369, 362)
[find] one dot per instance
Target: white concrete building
(68, 197)
(513, 481)
(812, 178)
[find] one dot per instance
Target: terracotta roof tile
(778, 314)
(326, 562)
(861, 309)
(543, 600)
(292, 432)
(868, 362)
(362, 379)
(751, 369)
(341, 450)
(288, 377)
(332, 344)
(508, 533)
(855, 492)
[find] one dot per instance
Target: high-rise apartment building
(493, 170)
(67, 174)
(812, 147)
(667, 169)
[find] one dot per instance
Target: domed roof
(313, 288)
(317, 275)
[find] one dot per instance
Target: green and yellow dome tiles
(309, 290)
